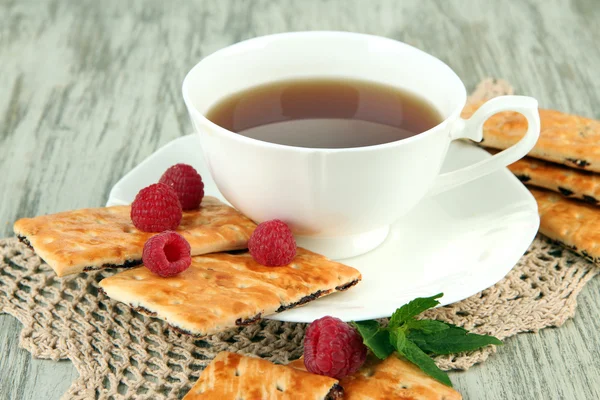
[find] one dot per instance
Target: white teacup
(340, 202)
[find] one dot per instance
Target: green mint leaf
(415, 355)
(398, 339)
(413, 308)
(451, 340)
(427, 325)
(375, 338)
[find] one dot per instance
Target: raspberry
(333, 348)
(272, 244)
(186, 183)
(156, 209)
(167, 254)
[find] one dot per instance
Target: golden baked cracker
(573, 224)
(564, 138)
(233, 376)
(95, 238)
(392, 378)
(569, 182)
(220, 291)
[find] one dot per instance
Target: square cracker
(569, 182)
(392, 378)
(233, 376)
(93, 238)
(564, 138)
(571, 223)
(221, 291)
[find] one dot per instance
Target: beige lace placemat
(120, 353)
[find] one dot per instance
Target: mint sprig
(417, 339)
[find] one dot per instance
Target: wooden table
(90, 88)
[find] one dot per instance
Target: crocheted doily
(120, 353)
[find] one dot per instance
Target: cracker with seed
(569, 182)
(221, 291)
(233, 376)
(564, 138)
(392, 378)
(571, 223)
(93, 238)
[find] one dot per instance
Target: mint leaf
(375, 338)
(416, 356)
(413, 308)
(427, 325)
(451, 340)
(398, 339)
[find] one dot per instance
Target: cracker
(82, 240)
(233, 376)
(569, 182)
(221, 291)
(392, 378)
(571, 223)
(564, 138)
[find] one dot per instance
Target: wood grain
(90, 88)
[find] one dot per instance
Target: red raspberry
(272, 244)
(187, 184)
(167, 254)
(156, 209)
(333, 348)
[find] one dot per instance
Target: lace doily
(121, 353)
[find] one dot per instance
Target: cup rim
(248, 140)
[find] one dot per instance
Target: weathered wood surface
(90, 88)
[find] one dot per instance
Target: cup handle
(472, 128)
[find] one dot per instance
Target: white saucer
(459, 242)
